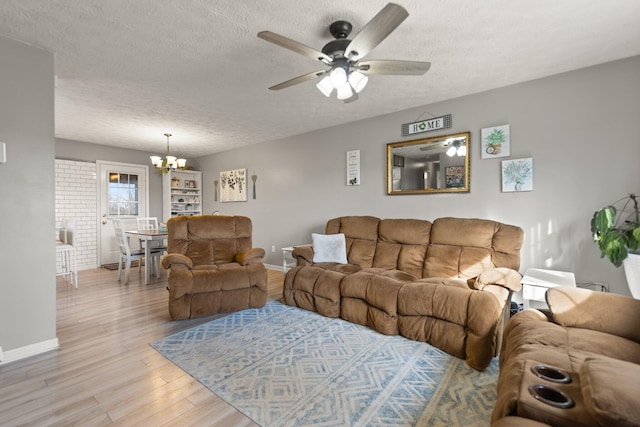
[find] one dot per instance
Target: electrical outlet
(273, 248)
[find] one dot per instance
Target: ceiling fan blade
(376, 30)
(298, 80)
(408, 68)
(295, 46)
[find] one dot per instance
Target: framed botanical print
(233, 185)
(496, 142)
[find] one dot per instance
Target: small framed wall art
(496, 142)
(454, 176)
(353, 167)
(517, 175)
(233, 185)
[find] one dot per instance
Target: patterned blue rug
(283, 366)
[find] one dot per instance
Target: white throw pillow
(329, 248)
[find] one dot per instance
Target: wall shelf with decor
(181, 194)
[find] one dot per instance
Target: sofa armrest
(583, 308)
(303, 254)
(174, 260)
(250, 256)
(505, 277)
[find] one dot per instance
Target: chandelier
(169, 162)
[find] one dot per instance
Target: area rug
(283, 366)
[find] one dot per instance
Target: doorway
(123, 192)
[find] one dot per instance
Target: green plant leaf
(603, 220)
(617, 231)
(633, 240)
(613, 245)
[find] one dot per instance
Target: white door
(123, 192)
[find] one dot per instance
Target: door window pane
(122, 194)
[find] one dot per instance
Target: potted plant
(617, 233)
(495, 140)
(517, 172)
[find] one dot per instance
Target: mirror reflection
(430, 165)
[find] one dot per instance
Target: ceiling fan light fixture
(344, 91)
(358, 81)
(343, 54)
(451, 151)
(338, 77)
(461, 151)
(325, 86)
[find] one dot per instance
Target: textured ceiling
(129, 70)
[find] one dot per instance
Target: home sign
(442, 122)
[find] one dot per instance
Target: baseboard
(87, 266)
(29, 350)
(273, 267)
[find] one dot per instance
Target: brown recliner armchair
(214, 268)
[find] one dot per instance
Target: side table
(288, 262)
(536, 281)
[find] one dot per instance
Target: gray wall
(27, 252)
(581, 128)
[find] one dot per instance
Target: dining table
(148, 235)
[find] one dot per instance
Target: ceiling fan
(347, 73)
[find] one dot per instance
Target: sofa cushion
(609, 313)
(464, 247)
(460, 248)
(329, 248)
(361, 233)
(402, 245)
(208, 242)
(610, 389)
(314, 288)
(369, 297)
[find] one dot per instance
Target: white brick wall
(76, 197)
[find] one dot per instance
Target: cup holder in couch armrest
(551, 396)
(551, 374)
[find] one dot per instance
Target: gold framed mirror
(439, 164)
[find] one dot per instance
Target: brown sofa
(214, 268)
(591, 337)
(448, 283)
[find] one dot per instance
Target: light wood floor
(105, 372)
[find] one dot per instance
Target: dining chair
(150, 223)
(127, 254)
(65, 245)
(147, 223)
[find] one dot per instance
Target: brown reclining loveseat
(448, 283)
